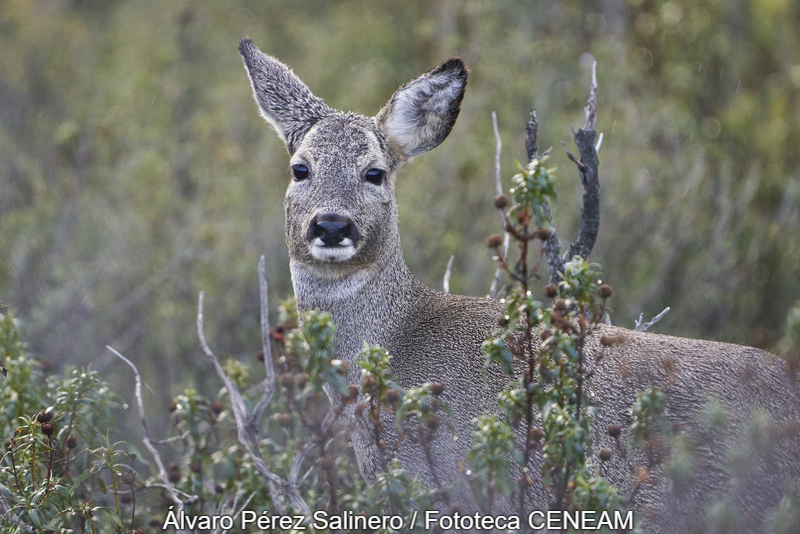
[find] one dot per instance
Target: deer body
(345, 257)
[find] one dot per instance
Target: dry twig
(162, 472)
(446, 280)
(266, 343)
(499, 188)
(247, 433)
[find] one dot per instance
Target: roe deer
(345, 257)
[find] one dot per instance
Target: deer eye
(300, 172)
(375, 176)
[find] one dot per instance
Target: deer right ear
(422, 112)
(284, 100)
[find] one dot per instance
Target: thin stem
(14, 469)
(116, 494)
(72, 416)
(426, 446)
(133, 510)
(33, 465)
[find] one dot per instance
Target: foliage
(144, 178)
(534, 186)
(150, 175)
(59, 470)
(552, 386)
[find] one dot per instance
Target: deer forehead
(344, 147)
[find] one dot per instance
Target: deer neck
(367, 304)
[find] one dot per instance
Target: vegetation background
(135, 170)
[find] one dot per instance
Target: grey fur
(433, 336)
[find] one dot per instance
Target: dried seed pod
(174, 473)
(437, 388)
(550, 291)
(72, 442)
(614, 430)
(500, 201)
(606, 290)
(605, 455)
(369, 380)
(327, 463)
(48, 428)
(494, 241)
(217, 407)
(277, 334)
(434, 422)
(44, 416)
(392, 395)
(287, 380)
(128, 477)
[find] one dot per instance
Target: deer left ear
(422, 112)
(284, 100)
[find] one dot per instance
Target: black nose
(332, 229)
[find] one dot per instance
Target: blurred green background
(135, 170)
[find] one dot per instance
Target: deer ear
(284, 100)
(422, 112)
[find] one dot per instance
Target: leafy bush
(59, 468)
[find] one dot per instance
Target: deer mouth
(333, 237)
(342, 251)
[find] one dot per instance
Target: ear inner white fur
(421, 113)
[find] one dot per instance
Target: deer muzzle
(333, 237)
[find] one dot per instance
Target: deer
(341, 224)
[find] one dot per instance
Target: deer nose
(333, 229)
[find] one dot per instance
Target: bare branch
(552, 246)
(572, 157)
(591, 105)
(643, 327)
(498, 149)
(244, 506)
(247, 434)
(499, 187)
(266, 396)
(446, 280)
(146, 439)
(187, 498)
(170, 440)
(587, 168)
(531, 137)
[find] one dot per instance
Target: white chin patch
(341, 252)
